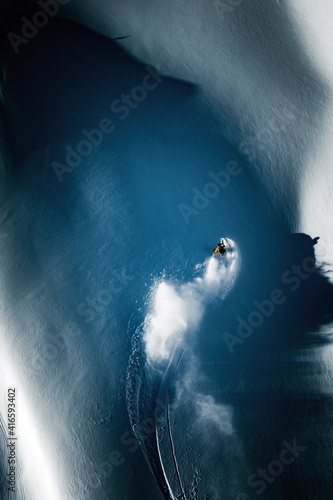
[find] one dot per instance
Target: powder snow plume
(178, 310)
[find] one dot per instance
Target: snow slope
(233, 155)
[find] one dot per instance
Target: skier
(220, 247)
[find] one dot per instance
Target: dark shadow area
(309, 293)
(305, 298)
(274, 377)
(50, 108)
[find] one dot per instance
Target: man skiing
(220, 247)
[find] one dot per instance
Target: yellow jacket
(217, 249)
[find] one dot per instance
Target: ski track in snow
(174, 316)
